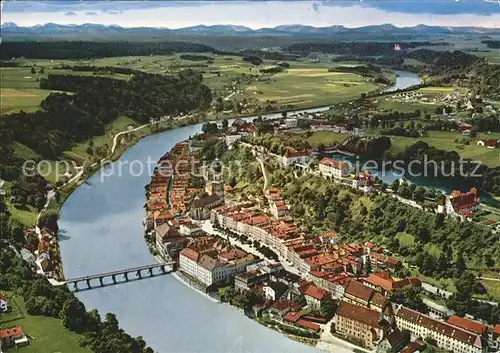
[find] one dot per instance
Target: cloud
(91, 13)
(315, 6)
(70, 13)
(110, 12)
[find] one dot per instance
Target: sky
(255, 14)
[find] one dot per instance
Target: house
(232, 138)
(468, 325)
(363, 181)
(315, 296)
(164, 236)
(13, 337)
(292, 156)
(358, 294)
(245, 281)
(274, 290)
(334, 168)
(281, 307)
(359, 323)
(447, 336)
(28, 257)
(496, 332)
(393, 342)
(4, 305)
(491, 144)
(290, 123)
(190, 229)
(384, 283)
(462, 204)
(414, 347)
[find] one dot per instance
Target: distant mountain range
(10, 29)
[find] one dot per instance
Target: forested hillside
(83, 50)
(68, 118)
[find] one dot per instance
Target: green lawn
(405, 239)
(493, 288)
(46, 334)
(79, 150)
(406, 107)
(451, 141)
(326, 138)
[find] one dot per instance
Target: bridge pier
(125, 274)
(100, 280)
(88, 283)
(162, 269)
(75, 286)
(150, 270)
(139, 274)
(114, 278)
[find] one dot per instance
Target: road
(264, 173)
(207, 227)
(446, 293)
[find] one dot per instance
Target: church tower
(215, 183)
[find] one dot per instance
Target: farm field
(491, 55)
(14, 100)
(45, 334)
(304, 87)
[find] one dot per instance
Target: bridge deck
(119, 272)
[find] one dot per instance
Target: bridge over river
(120, 276)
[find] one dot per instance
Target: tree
(328, 308)
(225, 123)
(33, 71)
(74, 315)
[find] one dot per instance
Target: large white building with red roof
(292, 156)
(334, 168)
(462, 204)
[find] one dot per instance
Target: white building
(231, 139)
(334, 168)
(290, 123)
(291, 157)
(448, 337)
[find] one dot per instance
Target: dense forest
(355, 48)
(464, 69)
(69, 118)
(86, 50)
(493, 44)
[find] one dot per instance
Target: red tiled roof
(333, 163)
(293, 317)
(11, 332)
(190, 254)
(466, 324)
(284, 304)
(496, 330)
(291, 153)
(443, 328)
(461, 200)
(413, 347)
(359, 290)
(358, 313)
(316, 292)
(308, 325)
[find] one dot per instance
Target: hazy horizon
(255, 14)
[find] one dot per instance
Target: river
(101, 230)
(404, 79)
